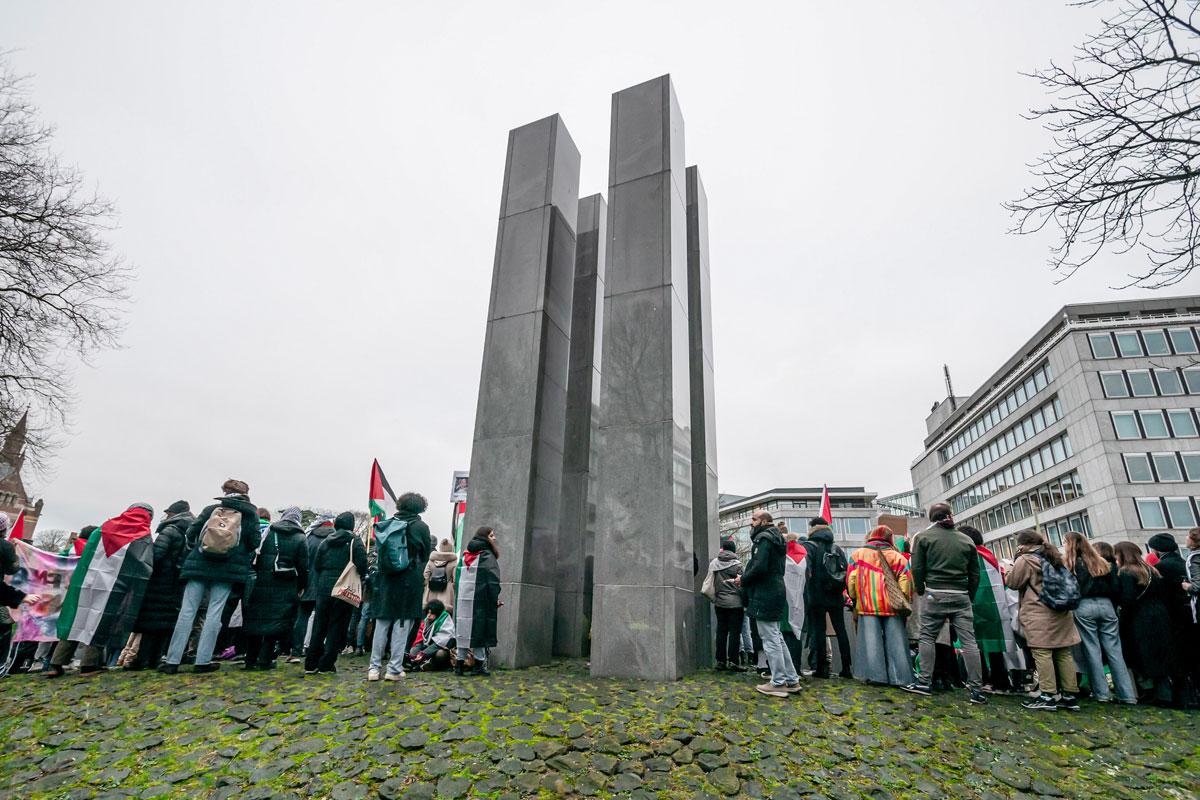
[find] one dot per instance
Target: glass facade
(1017, 397)
(1056, 450)
(1144, 342)
(1026, 428)
(1048, 495)
(1006, 547)
(1118, 384)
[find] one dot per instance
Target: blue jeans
(360, 635)
(398, 628)
(783, 672)
(1096, 620)
(882, 655)
(193, 593)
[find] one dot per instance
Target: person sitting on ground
(767, 602)
(431, 650)
(945, 572)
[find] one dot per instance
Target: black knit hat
(344, 521)
(1163, 543)
(179, 507)
(815, 521)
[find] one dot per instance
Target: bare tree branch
(61, 289)
(1123, 169)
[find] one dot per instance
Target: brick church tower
(13, 498)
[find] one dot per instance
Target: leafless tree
(52, 540)
(1122, 172)
(61, 288)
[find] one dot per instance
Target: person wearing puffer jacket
(728, 604)
(441, 567)
(331, 616)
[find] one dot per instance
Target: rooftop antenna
(950, 388)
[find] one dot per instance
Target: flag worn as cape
(993, 623)
(464, 594)
(109, 582)
(380, 489)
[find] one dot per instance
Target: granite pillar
(517, 454)
(705, 529)
(576, 532)
(644, 608)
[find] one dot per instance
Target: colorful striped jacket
(865, 580)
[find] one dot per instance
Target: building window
(1181, 512)
(1114, 384)
(1167, 467)
(1150, 513)
(1192, 377)
(1137, 468)
(1191, 463)
(1168, 382)
(1129, 345)
(1154, 424)
(1183, 341)
(1140, 382)
(1156, 343)
(1183, 424)
(1102, 345)
(1125, 425)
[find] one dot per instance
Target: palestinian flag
(109, 582)
(993, 622)
(379, 491)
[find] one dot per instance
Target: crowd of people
(940, 610)
(231, 584)
(932, 612)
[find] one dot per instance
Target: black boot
(480, 669)
(458, 668)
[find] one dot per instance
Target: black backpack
(439, 579)
(1060, 588)
(833, 570)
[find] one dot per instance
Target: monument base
(643, 632)
(525, 629)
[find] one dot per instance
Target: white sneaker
(372, 674)
(394, 676)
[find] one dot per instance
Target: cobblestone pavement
(555, 731)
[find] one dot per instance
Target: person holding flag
(106, 591)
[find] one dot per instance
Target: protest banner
(48, 576)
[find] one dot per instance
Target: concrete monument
(576, 533)
(517, 454)
(644, 609)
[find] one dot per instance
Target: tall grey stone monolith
(705, 525)
(576, 533)
(643, 621)
(517, 454)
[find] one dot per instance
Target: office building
(1091, 426)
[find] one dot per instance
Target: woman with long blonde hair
(1146, 636)
(1096, 619)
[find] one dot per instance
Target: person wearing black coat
(331, 615)
(282, 574)
(314, 535)
(822, 601)
(164, 593)
(214, 573)
(477, 604)
(767, 602)
(396, 597)
(1174, 573)
(1146, 636)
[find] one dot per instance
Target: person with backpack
(222, 542)
(282, 574)
(880, 585)
(945, 573)
(1048, 593)
(439, 575)
(398, 583)
(824, 597)
(331, 615)
(767, 602)
(164, 593)
(720, 586)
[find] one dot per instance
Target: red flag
(826, 509)
(18, 528)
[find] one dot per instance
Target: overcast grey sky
(309, 192)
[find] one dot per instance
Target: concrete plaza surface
(555, 731)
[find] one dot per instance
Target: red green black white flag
(380, 489)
